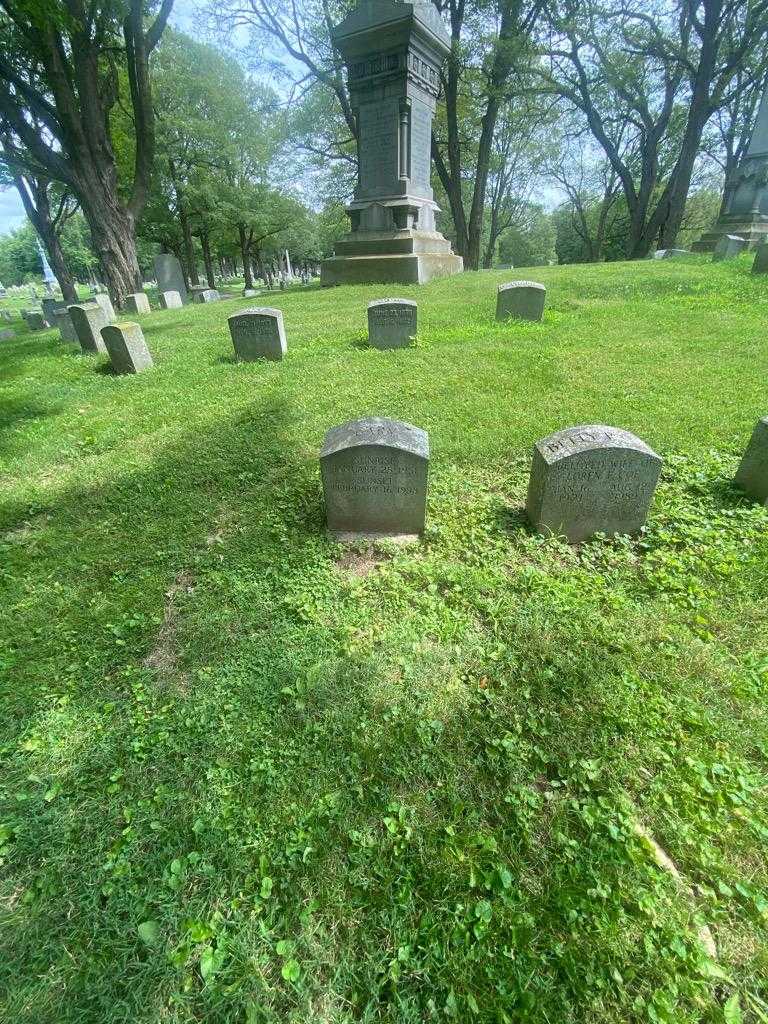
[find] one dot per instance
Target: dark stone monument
(63, 321)
(752, 474)
(258, 333)
(170, 300)
(393, 51)
(88, 321)
(728, 247)
(760, 266)
(126, 347)
(137, 303)
(169, 275)
(392, 323)
(592, 479)
(521, 300)
(51, 306)
(375, 479)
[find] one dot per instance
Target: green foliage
(20, 256)
(250, 776)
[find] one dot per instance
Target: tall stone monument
(745, 203)
(393, 51)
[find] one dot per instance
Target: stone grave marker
(752, 474)
(249, 293)
(392, 323)
(170, 276)
(375, 475)
(207, 295)
(258, 333)
(51, 306)
(670, 254)
(591, 479)
(63, 321)
(36, 321)
(126, 347)
(88, 320)
(760, 266)
(170, 300)
(137, 303)
(728, 247)
(520, 300)
(103, 300)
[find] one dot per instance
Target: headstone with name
(170, 276)
(88, 320)
(170, 300)
(728, 248)
(392, 323)
(752, 474)
(137, 303)
(103, 300)
(591, 479)
(760, 266)
(520, 300)
(258, 333)
(126, 347)
(63, 321)
(375, 475)
(36, 321)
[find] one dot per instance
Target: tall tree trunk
(245, 252)
(205, 242)
(186, 229)
(34, 196)
(114, 239)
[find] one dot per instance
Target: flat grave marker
(728, 248)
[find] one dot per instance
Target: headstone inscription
(752, 474)
(760, 266)
(591, 479)
(392, 323)
(170, 300)
(36, 321)
(137, 303)
(170, 276)
(88, 321)
(258, 333)
(375, 475)
(63, 321)
(520, 300)
(728, 248)
(126, 346)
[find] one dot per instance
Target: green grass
(250, 777)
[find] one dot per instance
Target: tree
(60, 79)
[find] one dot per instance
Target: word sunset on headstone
(258, 333)
(752, 475)
(127, 349)
(88, 321)
(520, 300)
(392, 323)
(591, 479)
(375, 474)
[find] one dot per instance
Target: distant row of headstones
(584, 480)
(728, 248)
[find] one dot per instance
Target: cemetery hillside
(252, 774)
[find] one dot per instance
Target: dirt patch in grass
(163, 659)
(360, 561)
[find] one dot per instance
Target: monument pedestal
(390, 257)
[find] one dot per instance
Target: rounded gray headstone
(752, 474)
(375, 474)
(170, 300)
(126, 346)
(591, 479)
(137, 303)
(392, 323)
(88, 320)
(36, 321)
(520, 300)
(258, 333)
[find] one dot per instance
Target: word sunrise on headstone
(392, 323)
(170, 300)
(88, 321)
(752, 475)
(375, 475)
(591, 479)
(520, 300)
(126, 346)
(258, 333)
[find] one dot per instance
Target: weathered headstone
(258, 333)
(392, 323)
(375, 475)
(170, 300)
(591, 479)
(520, 300)
(670, 254)
(137, 303)
(51, 306)
(126, 346)
(207, 295)
(170, 276)
(6, 335)
(752, 474)
(88, 320)
(103, 300)
(63, 321)
(760, 266)
(728, 247)
(36, 321)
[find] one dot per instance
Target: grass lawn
(249, 776)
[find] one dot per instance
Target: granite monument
(170, 300)
(137, 303)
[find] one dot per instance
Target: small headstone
(36, 321)
(6, 335)
(51, 306)
(375, 478)
(207, 295)
(728, 247)
(760, 266)
(249, 293)
(670, 254)
(127, 348)
(88, 321)
(137, 303)
(592, 479)
(63, 321)
(170, 276)
(392, 323)
(170, 300)
(752, 474)
(258, 333)
(521, 300)
(104, 301)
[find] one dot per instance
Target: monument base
(404, 256)
(753, 232)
